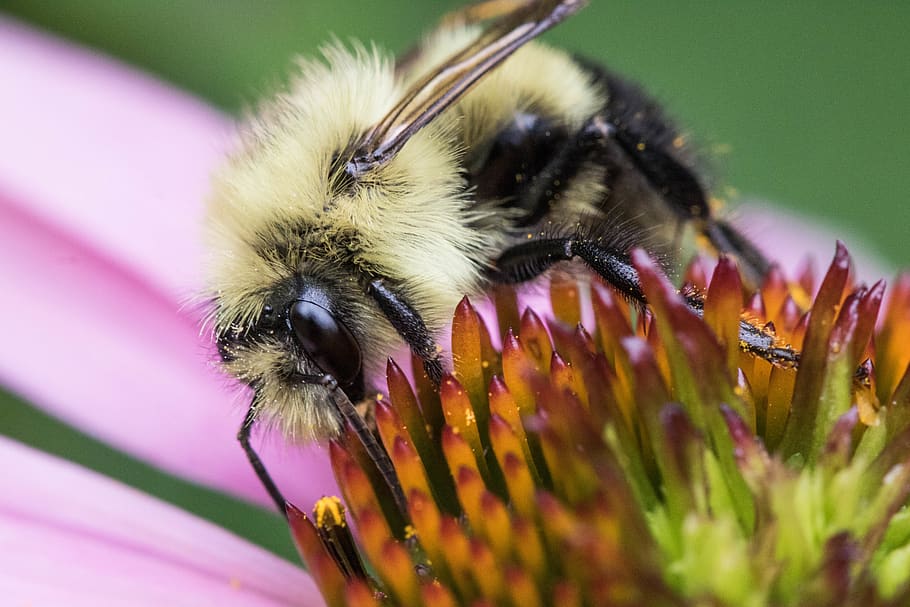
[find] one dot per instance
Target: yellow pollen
(329, 512)
(469, 417)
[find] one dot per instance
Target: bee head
(299, 334)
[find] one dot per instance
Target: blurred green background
(805, 104)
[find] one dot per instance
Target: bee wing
(466, 15)
(518, 21)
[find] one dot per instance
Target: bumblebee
(364, 202)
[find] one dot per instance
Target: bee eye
(326, 340)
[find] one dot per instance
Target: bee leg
(348, 413)
(593, 143)
(243, 435)
(752, 262)
(679, 186)
(528, 260)
(637, 125)
(410, 326)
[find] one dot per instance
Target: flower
(648, 462)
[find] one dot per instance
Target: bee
(368, 199)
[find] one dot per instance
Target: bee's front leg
(243, 435)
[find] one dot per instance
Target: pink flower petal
(121, 163)
(790, 239)
(101, 350)
(71, 537)
(110, 155)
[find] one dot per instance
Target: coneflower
(642, 461)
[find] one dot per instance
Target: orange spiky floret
(631, 465)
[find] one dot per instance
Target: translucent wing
(516, 23)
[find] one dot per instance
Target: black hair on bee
(365, 201)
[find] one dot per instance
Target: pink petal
(790, 238)
(116, 170)
(110, 155)
(106, 353)
(71, 537)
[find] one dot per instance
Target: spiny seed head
(648, 461)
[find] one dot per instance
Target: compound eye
(325, 340)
